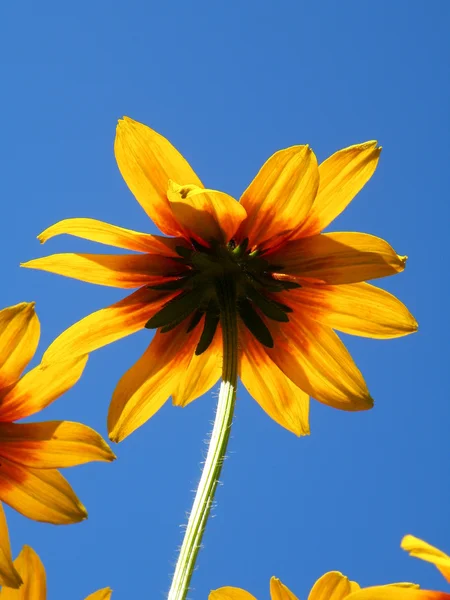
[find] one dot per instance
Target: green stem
(217, 446)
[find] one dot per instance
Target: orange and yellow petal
(281, 195)
(355, 308)
(39, 388)
(103, 594)
(316, 360)
(205, 214)
(230, 593)
(32, 571)
(8, 573)
(201, 374)
(112, 235)
(342, 176)
(336, 258)
(278, 591)
(145, 387)
(396, 592)
(147, 161)
(114, 270)
(277, 395)
(19, 337)
(39, 494)
(106, 325)
(332, 586)
(52, 444)
(420, 549)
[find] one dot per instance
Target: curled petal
(339, 258)
(114, 270)
(32, 571)
(39, 388)
(111, 235)
(281, 195)
(9, 576)
(19, 337)
(278, 591)
(147, 161)
(342, 176)
(39, 494)
(331, 586)
(420, 549)
(52, 444)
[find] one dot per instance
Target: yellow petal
(39, 494)
(278, 591)
(282, 400)
(19, 337)
(114, 270)
(396, 592)
(230, 593)
(52, 444)
(281, 195)
(104, 594)
(111, 235)
(201, 374)
(205, 214)
(32, 570)
(147, 161)
(39, 388)
(344, 257)
(148, 384)
(8, 574)
(106, 325)
(420, 549)
(356, 308)
(342, 176)
(316, 360)
(331, 586)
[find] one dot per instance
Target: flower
(420, 549)
(31, 453)
(292, 285)
(335, 586)
(34, 587)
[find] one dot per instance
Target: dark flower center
(250, 276)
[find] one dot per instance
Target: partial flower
(335, 586)
(292, 284)
(30, 567)
(420, 549)
(31, 453)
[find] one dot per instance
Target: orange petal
(282, 400)
(342, 176)
(148, 384)
(8, 575)
(230, 593)
(357, 308)
(205, 214)
(107, 325)
(278, 591)
(420, 549)
(281, 195)
(19, 337)
(147, 161)
(32, 570)
(39, 494)
(337, 258)
(331, 586)
(111, 235)
(396, 592)
(316, 360)
(39, 388)
(201, 374)
(104, 594)
(52, 444)
(114, 270)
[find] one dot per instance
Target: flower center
(250, 278)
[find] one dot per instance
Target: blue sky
(229, 83)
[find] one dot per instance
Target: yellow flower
(31, 453)
(292, 285)
(335, 586)
(34, 587)
(420, 549)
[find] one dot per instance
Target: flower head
(291, 284)
(31, 453)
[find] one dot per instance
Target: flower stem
(217, 446)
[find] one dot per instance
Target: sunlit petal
(278, 591)
(8, 573)
(420, 549)
(104, 594)
(230, 593)
(394, 592)
(331, 586)
(32, 571)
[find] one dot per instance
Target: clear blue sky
(229, 83)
